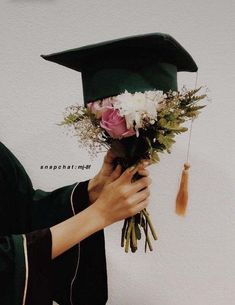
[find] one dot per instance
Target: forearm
(73, 230)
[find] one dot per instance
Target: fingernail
(131, 168)
(146, 163)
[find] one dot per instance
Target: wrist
(99, 215)
(92, 189)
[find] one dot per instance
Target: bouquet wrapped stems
(131, 230)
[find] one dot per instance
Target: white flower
(138, 120)
(138, 107)
(130, 119)
(157, 96)
(137, 133)
(124, 102)
(151, 109)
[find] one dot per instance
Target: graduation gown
(28, 275)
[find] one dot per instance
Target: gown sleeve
(50, 208)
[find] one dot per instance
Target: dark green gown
(28, 275)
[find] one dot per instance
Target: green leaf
(149, 142)
(197, 107)
(70, 119)
(166, 140)
(154, 155)
(162, 122)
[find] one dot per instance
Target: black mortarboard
(134, 63)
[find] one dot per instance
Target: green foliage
(70, 119)
(171, 125)
(178, 107)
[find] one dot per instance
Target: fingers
(116, 173)
(141, 184)
(143, 172)
(128, 174)
(139, 197)
(145, 162)
(139, 207)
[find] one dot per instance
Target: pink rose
(114, 124)
(98, 107)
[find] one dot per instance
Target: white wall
(193, 260)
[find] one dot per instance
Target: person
(52, 243)
(54, 222)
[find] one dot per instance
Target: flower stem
(133, 236)
(147, 240)
(150, 224)
(124, 232)
(130, 224)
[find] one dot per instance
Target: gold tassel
(182, 196)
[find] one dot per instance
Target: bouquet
(136, 126)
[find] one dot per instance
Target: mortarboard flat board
(134, 63)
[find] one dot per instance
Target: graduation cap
(134, 63)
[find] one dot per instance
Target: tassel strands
(182, 196)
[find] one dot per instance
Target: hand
(96, 184)
(121, 198)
